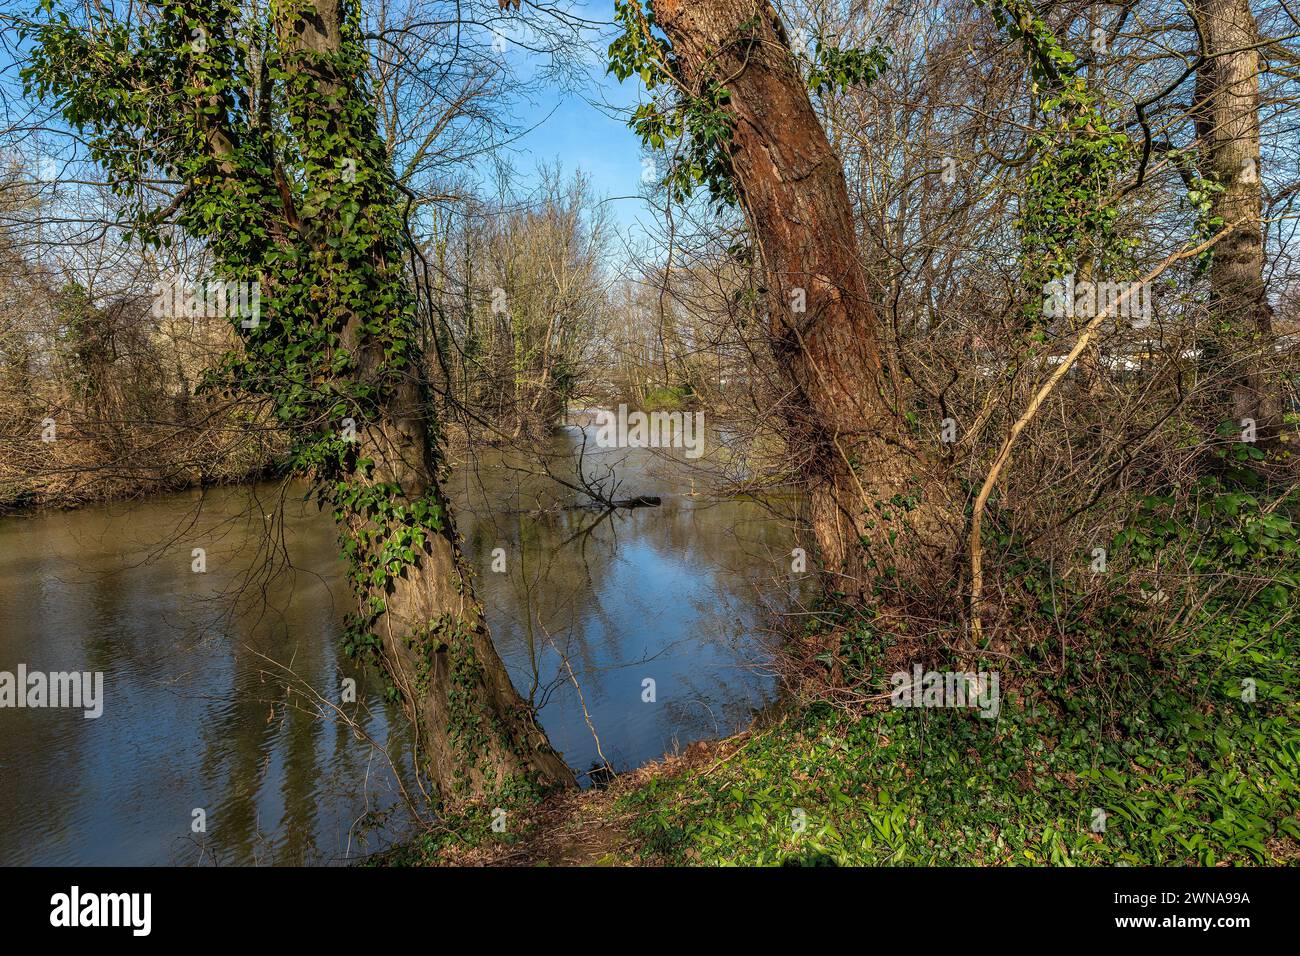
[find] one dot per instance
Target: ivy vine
(696, 115)
(283, 176)
(1069, 214)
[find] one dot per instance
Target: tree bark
(1240, 343)
(476, 735)
(880, 507)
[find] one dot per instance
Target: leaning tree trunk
(265, 118)
(475, 734)
(880, 509)
(1240, 344)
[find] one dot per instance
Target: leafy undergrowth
(1185, 753)
(1191, 774)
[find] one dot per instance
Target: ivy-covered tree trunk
(475, 731)
(879, 506)
(267, 126)
(1240, 342)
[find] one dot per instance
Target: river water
(221, 740)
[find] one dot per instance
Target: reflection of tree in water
(201, 713)
(198, 710)
(669, 591)
(273, 780)
(269, 784)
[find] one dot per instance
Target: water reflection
(220, 686)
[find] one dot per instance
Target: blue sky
(577, 127)
(582, 130)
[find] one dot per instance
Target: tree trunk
(880, 509)
(474, 731)
(475, 735)
(1227, 125)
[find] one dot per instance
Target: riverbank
(77, 466)
(1182, 768)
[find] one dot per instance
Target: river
(220, 739)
